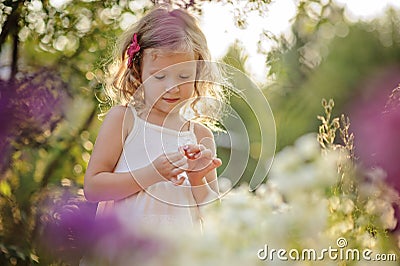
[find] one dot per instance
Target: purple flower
(71, 232)
(29, 106)
(377, 130)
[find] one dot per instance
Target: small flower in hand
(201, 162)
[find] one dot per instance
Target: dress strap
(134, 112)
(133, 132)
(191, 126)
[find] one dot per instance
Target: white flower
(376, 174)
(334, 203)
(388, 219)
(224, 184)
(342, 227)
(369, 190)
(308, 146)
(366, 240)
(286, 161)
(384, 210)
(291, 209)
(347, 206)
(270, 196)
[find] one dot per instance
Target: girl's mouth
(171, 100)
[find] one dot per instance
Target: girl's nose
(174, 88)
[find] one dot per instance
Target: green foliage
(73, 41)
(357, 213)
(327, 131)
(328, 57)
(237, 59)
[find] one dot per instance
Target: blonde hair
(175, 31)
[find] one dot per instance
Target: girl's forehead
(166, 53)
(164, 59)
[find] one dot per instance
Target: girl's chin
(165, 107)
(168, 109)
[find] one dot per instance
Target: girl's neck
(160, 118)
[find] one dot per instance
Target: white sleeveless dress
(163, 203)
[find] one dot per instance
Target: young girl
(149, 162)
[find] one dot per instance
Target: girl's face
(168, 79)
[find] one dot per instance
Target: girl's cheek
(188, 88)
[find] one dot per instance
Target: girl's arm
(100, 183)
(206, 189)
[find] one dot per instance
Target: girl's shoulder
(119, 113)
(121, 117)
(201, 131)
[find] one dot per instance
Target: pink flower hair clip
(133, 50)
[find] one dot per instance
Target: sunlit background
(52, 67)
(218, 23)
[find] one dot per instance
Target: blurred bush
(329, 57)
(50, 87)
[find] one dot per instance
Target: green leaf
(5, 188)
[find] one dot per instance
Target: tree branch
(14, 61)
(11, 21)
(52, 166)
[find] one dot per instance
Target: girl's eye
(159, 76)
(182, 76)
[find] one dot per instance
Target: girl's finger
(180, 162)
(181, 180)
(193, 148)
(174, 156)
(178, 182)
(177, 171)
(206, 154)
(217, 162)
(183, 167)
(190, 151)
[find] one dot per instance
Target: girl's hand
(200, 162)
(170, 165)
